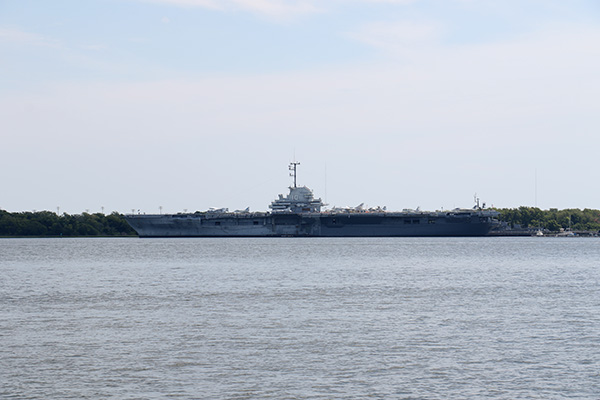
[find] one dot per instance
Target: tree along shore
(552, 220)
(47, 223)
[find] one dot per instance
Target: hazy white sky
(191, 104)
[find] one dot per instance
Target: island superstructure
(300, 214)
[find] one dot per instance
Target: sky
(182, 105)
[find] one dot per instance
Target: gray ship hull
(384, 224)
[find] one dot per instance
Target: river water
(286, 318)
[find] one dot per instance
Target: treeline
(46, 223)
(553, 219)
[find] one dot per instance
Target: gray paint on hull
(473, 223)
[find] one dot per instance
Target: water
(394, 318)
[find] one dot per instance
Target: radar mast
(293, 166)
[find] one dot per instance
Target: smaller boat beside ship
(300, 214)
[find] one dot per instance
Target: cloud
(403, 2)
(20, 37)
(486, 113)
(213, 4)
(94, 47)
(398, 37)
(276, 9)
(431, 111)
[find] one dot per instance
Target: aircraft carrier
(299, 214)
